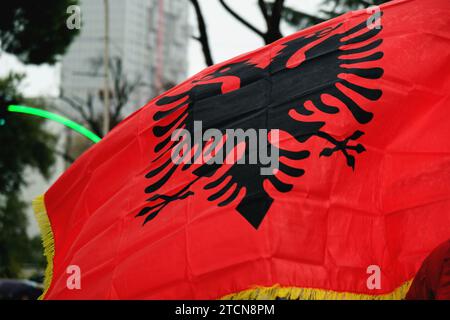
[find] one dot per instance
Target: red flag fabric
(317, 167)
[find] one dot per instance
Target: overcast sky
(228, 38)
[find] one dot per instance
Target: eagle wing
(304, 73)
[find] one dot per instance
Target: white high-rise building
(150, 37)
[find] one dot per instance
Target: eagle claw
(343, 146)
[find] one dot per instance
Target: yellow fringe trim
(293, 293)
(257, 293)
(47, 239)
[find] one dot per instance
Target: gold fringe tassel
(47, 239)
(293, 293)
(257, 293)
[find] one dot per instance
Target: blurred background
(95, 62)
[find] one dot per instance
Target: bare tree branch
(90, 105)
(276, 14)
(240, 19)
(310, 16)
(76, 106)
(273, 32)
(64, 155)
(203, 37)
(122, 90)
(263, 7)
(273, 12)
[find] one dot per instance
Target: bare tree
(273, 13)
(272, 17)
(85, 110)
(122, 90)
(203, 34)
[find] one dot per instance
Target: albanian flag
(314, 167)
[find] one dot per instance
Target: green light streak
(55, 117)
